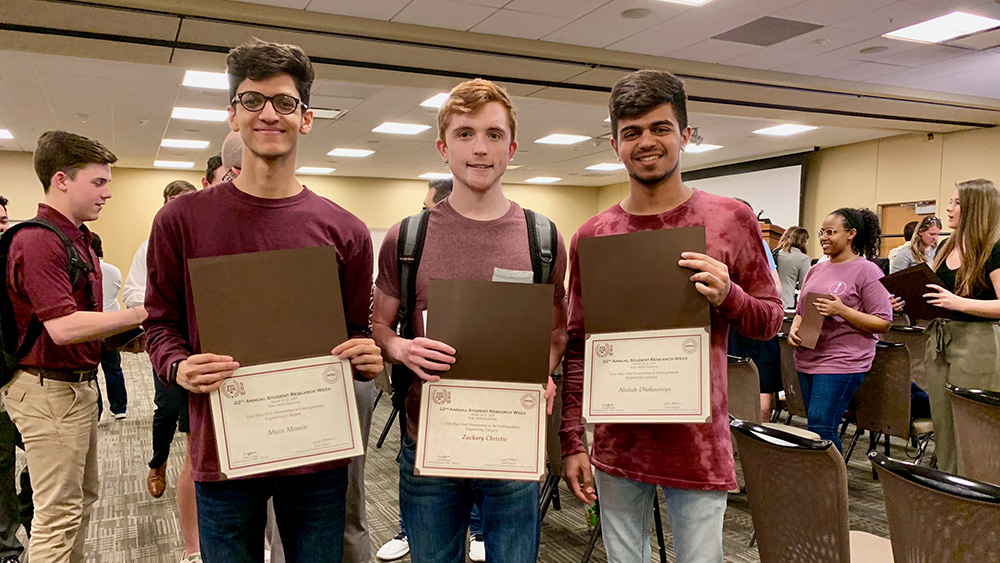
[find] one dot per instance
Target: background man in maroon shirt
(693, 463)
(264, 208)
(52, 397)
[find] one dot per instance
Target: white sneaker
(394, 548)
(192, 558)
(477, 548)
(121, 416)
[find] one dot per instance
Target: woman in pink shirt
(857, 307)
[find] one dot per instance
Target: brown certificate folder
(632, 281)
(910, 285)
(265, 307)
(500, 331)
(812, 320)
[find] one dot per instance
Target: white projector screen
(775, 191)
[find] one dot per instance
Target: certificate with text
(286, 414)
(482, 430)
(651, 376)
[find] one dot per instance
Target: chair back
(797, 490)
(915, 338)
(977, 431)
(790, 378)
(744, 389)
(882, 402)
(938, 517)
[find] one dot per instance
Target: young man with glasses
(52, 397)
(692, 463)
(270, 210)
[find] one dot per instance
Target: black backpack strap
(542, 242)
(409, 248)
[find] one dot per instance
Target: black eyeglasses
(254, 101)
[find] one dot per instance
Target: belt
(81, 376)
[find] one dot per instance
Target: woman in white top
(793, 263)
(921, 248)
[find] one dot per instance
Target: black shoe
(10, 559)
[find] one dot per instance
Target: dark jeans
(114, 379)
(436, 510)
(475, 522)
(15, 509)
(309, 510)
(169, 415)
(826, 397)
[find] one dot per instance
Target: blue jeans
(309, 510)
(111, 364)
(627, 514)
(436, 510)
(826, 397)
(475, 522)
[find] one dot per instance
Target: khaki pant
(965, 354)
(58, 422)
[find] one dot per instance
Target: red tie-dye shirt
(689, 456)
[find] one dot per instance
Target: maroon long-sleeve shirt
(222, 221)
(688, 456)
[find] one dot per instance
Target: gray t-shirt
(904, 258)
(792, 268)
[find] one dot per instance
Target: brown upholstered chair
(915, 339)
(797, 490)
(744, 389)
(977, 431)
(882, 403)
(938, 517)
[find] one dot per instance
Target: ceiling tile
(705, 21)
(520, 24)
(293, 4)
(654, 43)
(381, 10)
(443, 13)
(815, 66)
(862, 71)
(713, 51)
(610, 13)
(827, 12)
(923, 55)
(563, 8)
(823, 40)
(589, 34)
(757, 7)
(767, 58)
(892, 17)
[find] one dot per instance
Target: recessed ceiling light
(688, 2)
(172, 164)
(313, 170)
(704, 147)
(635, 13)
(607, 166)
(197, 114)
(873, 50)
(400, 128)
(784, 130)
(435, 101)
(5, 134)
(950, 26)
(542, 180)
(183, 144)
(562, 139)
(434, 176)
(212, 80)
(320, 113)
(356, 153)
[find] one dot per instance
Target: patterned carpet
(130, 526)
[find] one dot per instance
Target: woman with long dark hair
(921, 248)
(856, 307)
(965, 350)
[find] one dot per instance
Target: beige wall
(896, 170)
(137, 196)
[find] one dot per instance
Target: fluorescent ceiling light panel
(196, 114)
(355, 153)
(688, 2)
(435, 101)
(607, 166)
(172, 164)
(313, 170)
(434, 176)
(784, 130)
(704, 147)
(210, 80)
(562, 139)
(5, 134)
(183, 144)
(542, 180)
(400, 128)
(950, 26)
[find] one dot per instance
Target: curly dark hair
(868, 241)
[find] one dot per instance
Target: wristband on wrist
(172, 376)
